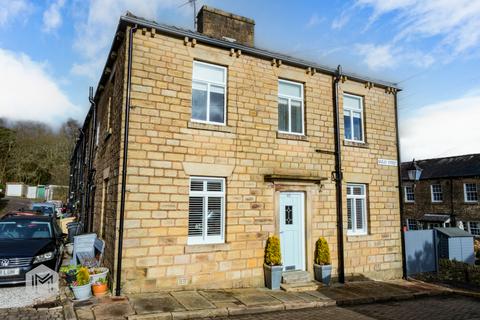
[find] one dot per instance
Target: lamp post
(414, 174)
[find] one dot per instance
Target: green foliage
(322, 252)
(69, 268)
(33, 153)
(273, 256)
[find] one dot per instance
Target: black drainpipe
(400, 191)
(124, 166)
(91, 183)
(338, 177)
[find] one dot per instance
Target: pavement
(240, 302)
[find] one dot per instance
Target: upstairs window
(209, 93)
(470, 191)
(409, 194)
(437, 195)
(206, 213)
(290, 107)
(357, 209)
(353, 117)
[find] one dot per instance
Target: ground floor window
(206, 212)
(357, 209)
(413, 224)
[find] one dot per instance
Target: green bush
(322, 252)
(273, 256)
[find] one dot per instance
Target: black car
(27, 241)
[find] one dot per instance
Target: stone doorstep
(301, 286)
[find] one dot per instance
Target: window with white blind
(290, 107)
(409, 194)
(437, 194)
(470, 191)
(209, 92)
(206, 213)
(353, 118)
(357, 209)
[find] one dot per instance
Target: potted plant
(97, 273)
(81, 287)
(273, 263)
(322, 266)
(70, 273)
(100, 287)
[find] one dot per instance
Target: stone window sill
(209, 126)
(348, 143)
(202, 248)
(282, 135)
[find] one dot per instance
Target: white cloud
(52, 17)
(442, 129)
(12, 9)
(313, 21)
(340, 21)
(377, 57)
(27, 92)
(457, 23)
(94, 35)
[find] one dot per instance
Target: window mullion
(208, 101)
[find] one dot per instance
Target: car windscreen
(25, 230)
(46, 210)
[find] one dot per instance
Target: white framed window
(437, 194)
(209, 93)
(353, 118)
(206, 211)
(97, 134)
(412, 224)
(290, 107)
(470, 192)
(474, 228)
(409, 194)
(357, 209)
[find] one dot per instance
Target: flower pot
(323, 273)
(100, 289)
(82, 292)
(69, 247)
(97, 276)
(273, 276)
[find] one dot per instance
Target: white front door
(292, 237)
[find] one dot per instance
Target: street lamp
(414, 172)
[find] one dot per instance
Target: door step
(301, 286)
(292, 277)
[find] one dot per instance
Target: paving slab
(287, 297)
(108, 311)
(155, 303)
(256, 298)
(218, 295)
(192, 300)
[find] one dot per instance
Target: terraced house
(199, 145)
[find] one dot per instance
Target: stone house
(199, 145)
(445, 195)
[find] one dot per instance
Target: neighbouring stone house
(228, 144)
(445, 195)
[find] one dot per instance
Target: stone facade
(166, 148)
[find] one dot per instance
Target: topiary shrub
(322, 252)
(273, 256)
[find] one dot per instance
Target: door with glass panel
(292, 236)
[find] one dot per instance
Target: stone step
(290, 277)
(301, 286)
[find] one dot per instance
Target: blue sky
(52, 51)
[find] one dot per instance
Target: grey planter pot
(323, 273)
(273, 276)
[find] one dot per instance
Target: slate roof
(454, 232)
(450, 167)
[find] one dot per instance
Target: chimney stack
(226, 26)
